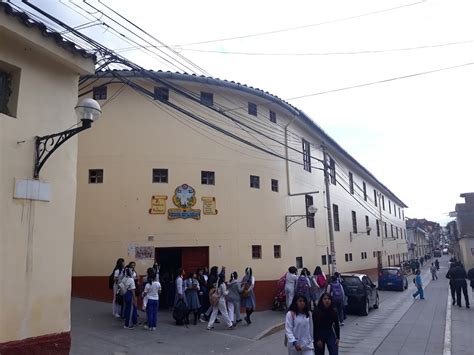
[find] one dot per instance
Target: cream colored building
(116, 215)
(38, 93)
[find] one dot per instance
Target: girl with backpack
(290, 285)
(217, 299)
(127, 289)
(191, 287)
(233, 298)
(152, 296)
(248, 295)
(115, 278)
(321, 283)
(326, 326)
(337, 293)
(299, 327)
(302, 284)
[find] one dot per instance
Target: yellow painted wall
(36, 238)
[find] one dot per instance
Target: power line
(381, 81)
(303, 26)
(305, 54)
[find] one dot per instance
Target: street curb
(269, 331)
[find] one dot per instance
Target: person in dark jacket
(458, 273)
(326, 326)
(470, 276)
(451, 283)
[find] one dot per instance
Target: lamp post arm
(45, 146)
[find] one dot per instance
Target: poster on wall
(158, 204)
(209, 205)
(144, 252)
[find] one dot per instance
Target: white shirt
(179, 285)
(299, 328)
(290, 282)
(118, 275)
(153, 291)
(129, 283)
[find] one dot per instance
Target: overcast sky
(414, 134)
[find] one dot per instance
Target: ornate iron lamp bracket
(46, 145)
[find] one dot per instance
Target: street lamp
(87, 111)
(292, 219)
(367, 231)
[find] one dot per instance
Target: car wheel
(365, 309)
(376, 305)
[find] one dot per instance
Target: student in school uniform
(248, 295)
(221, 292)
(117, 302)
(299, 327)
(233, 298)
(130, 300)
(152, 295)
(191, 290)
(179, 295)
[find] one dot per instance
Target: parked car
(392, 278)
(445, 251)
(361, 293)
(437, 253)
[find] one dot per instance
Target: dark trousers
(328, 338)
(151, 312)
(453, 291)
(340, 310)
(461, 285)
(131, 317)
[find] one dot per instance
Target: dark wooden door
(193, 258)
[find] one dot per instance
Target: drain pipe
(288, 185)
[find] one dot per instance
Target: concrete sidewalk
(95, 331)
(462, 328)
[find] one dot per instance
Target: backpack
(179, 312)
(122, 288)
(214, 296)
(302, 285)
(281, 283)
(336, 291)
(321, 280)
(313, 284)
(111, 280)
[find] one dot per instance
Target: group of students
(457, 282)
(205, 295)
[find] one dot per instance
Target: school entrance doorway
(170, 260)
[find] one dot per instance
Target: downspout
(288, 185)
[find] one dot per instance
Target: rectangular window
(363, 255)
(99, 93)
(367, 224)
(396, 231)
(373, 254)
(377, 223)
(386, 229)
(96, 176)
(161, 93)
(306, 155)
(348, 257)
(383, 202)
(252, 109)
(274, 185)
(389, 207)
(399, 214)
(403, 215)
(5, 91)
(364, 188)
(332, 171)
(324, 260)
(335, 212)
(208, 178)
(207, 98)
(309, 216)
(354, 222)
(375, 198)
(351, 183)
(277, 251)
(391, 229)
(160, 176)
(254, 181)
(273, 117)
(299, 262)
(256, 251)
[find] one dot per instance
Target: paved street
(399, 326)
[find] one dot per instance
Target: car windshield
(390, 271)
(351, 281)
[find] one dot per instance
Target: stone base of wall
(51, 344)
(97, 288)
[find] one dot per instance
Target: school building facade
(157, 184)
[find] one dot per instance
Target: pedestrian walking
(452, 286)
(470, 276)
(117, 276)
(459, 275)
(152, 295)
(433, 270)
(290, 285)
(217, 296)
(203, 294)
(437, 264)
(419, 286)
(326, 326)
(422, 260)
(321, 282)
(212, 279)
(337, 293)
(248, 295)
(191, 292)
(127, 289)
(233, 298)
(299, 327)
(302, 284)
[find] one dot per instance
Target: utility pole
(329, 208)
(382, 230)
